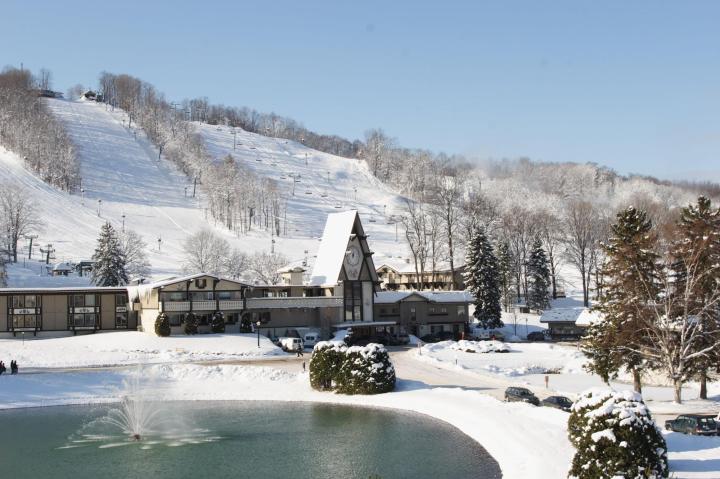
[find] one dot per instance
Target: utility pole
(123, 222)
(99, 207)
(31, 238)
(47, 252)
(159, 243)
(194, 185)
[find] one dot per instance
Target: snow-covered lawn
(522, 359)
(132, 347)
(530, 363)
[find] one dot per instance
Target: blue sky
(631, 85)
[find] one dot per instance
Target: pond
(239, 439)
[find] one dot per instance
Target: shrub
(190, 325)
(245, 326)
(366, 370)
(217, 325)
(615, 436)
(325, 362)
(162, 325)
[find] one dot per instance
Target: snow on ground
(132, 347)
(518, 436)
(528, 364)
(120, 167)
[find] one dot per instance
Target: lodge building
(342, 293)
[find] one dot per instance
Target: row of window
(200, 295)
(176, 319)
(432, 310)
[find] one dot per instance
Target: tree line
(236, 197)
(28, 129)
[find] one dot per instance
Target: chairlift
(323, 195)
(218, 128)
(308, 192)
(283, 177)
(273, 164)
(258, 159)
(338, 206)
(372, 220)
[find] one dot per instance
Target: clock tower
(344, 261)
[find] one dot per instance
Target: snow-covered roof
(333, 245)
(69, 289)
(180, 279)
(389, 297)
(400, 265)
(62, 267)
(579, 316)
(588, 316)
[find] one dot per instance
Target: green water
(239, 440)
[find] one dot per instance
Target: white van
(291, 344)
(311, 339)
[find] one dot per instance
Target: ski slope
(122, 176)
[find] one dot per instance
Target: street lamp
(99, 206)
(272, 246)
(123, 222)
(159, 243)
(257, 326)
(82, 196)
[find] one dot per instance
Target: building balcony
(295, 302)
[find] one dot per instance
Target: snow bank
(132, 347)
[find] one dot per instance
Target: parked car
(558, 402)
(430, 338)
(445, 335)
(696, 424)
(536, 336)
(403, 338)
(489, 335)
(311, 339)
(291, 344)
(516, 394)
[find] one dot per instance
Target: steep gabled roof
(330, 257)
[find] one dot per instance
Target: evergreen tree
(162, 325)
(631, 289)
(615, 436)
(217, 324)
(110, 266)
(190, 324)
(539, 276)
(325, 363)
(482, 277)
(696, 265)
(505, 272)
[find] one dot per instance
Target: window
(121, 311)
(201, 295)
(27, 301)
(175, 319)
(352, 298)
(229, 295)
(461, 311)
(173, 296)
(83, 313)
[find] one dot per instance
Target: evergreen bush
(162, 325)
(190, 325)
(615, 436)
(217, 324)
(245, 324)
(366, 370)
(325, 363)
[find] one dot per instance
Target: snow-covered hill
(122, 176)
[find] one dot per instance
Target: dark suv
(697, 424)
(515, 394)
(558, 402)
(536, 336)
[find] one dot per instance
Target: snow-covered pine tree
(217, 324)
(615, 436)
(482, 279)
(696, 265)
(162, 325)
(505, 272)
(631, 287)
(539, 276)
(110, 267)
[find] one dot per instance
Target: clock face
(354, 256)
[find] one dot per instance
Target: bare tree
(549, 230)
(581, 242)
(449, 209)
(266, 267)
(134, 248)
(414, 220)
(19, 217)
(237, 264)
(205, 252)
